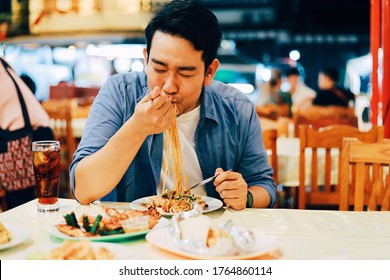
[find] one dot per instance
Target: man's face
(177, 68)
(293, 80)
(323, 82)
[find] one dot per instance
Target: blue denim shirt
(228, 135)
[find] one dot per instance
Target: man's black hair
(191, 21)
(292, 71)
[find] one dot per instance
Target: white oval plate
(121, 252)
(265, 245)
(162, 222)
(19, 235)
(213, 204)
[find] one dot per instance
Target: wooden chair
(322, 116)
(86, 91)
(366, 166)
(60, 113)
(282, 125)
(67, 91)
(328, 138)
(81, 106)
(269, 138)
(272, 111)
(62, 91)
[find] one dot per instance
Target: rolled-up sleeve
(105, 118)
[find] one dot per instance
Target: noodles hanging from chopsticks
(179, 198)
(173, 144)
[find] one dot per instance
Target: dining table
(287, 234)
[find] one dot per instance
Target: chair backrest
(364, 175)
(62, 91)
(71, 91)
(272, 111)
(86, 91)
(269, 138)
(325, 144)
(60, 114)
(282, 125)
(322, 116)
(81, 106)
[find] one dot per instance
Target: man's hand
(232, 188)
(154, 113)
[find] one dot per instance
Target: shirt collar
(208, 109)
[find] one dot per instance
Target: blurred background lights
(228, 45)
(266, 74)
(137, 65)
(294, 55)
(122, 64)
(245, 88)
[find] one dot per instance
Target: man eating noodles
(143, 126)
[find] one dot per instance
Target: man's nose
(171, 84)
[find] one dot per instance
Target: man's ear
(210, 72)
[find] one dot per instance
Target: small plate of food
(11, 236)
(81, 250)
(114, 225)
(199, 238)
(169, 204)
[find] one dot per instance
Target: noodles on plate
(179, 198)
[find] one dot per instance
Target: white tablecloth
(299, 234)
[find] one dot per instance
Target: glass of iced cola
(46, 162)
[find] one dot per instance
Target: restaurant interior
(330, 163)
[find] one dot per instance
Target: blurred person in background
(330, 94)
(301, 94)
(272, 98)
(11, 120)
(121, 152)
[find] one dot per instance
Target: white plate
(163, 239)
(19, 235)
(121, 252)
(162, 222)
(213, 204)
